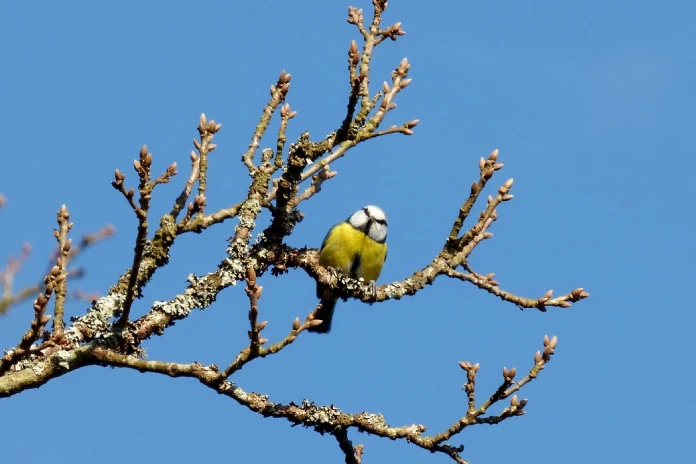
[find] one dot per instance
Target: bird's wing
(326, 237)
(355, 265)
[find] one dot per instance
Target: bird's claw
(372, 285)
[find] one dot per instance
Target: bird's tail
(324, 314)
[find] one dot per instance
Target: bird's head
(372, 221)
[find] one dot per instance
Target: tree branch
(95, 339)
(329, 419)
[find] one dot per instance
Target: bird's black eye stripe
(378, 221)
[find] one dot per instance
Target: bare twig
(143, 167)
(249, 354)
(464, 246)
(353, 454)
(61, 289)
(195, 207)
(486, 167)
(201, 222)
(254, 292)
(285, 116)
(355, 81)
(206, 130)
(278, 94)
(541, 304)
(186, 192)
(314, 188)
(391, 32)
(470, 386)
(406, 129)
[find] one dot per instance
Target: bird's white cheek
(378, 233)
(358, 220)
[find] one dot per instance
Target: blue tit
(358, 248)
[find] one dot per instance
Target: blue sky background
(592, 107)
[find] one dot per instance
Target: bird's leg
(373, 289)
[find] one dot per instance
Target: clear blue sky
(592, 107)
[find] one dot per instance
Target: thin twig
(470, 386)
(61, 261)
(186, 192)
(486, 167)
(405, 128)
(247, 354)
(463, 247)
(285, 116)
(206, 130)
(391, 32)
(278, 93)
(541, 304)
(143, 168)
(353, 454)
(314, 188)
(355, 81)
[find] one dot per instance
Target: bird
(358, 248)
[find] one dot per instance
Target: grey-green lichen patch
(374, 419)
(63, 359)
(233, 269)
(35, 363)
(97, 319)
(396, 289)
